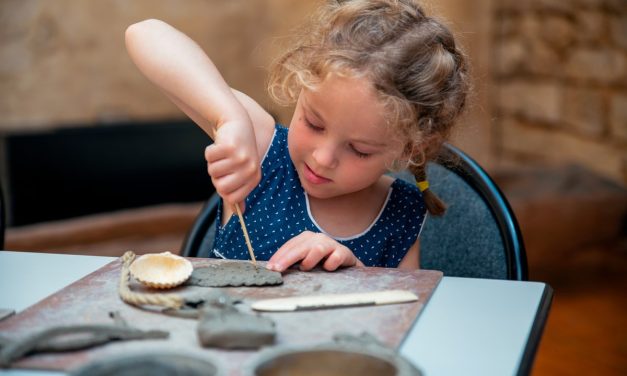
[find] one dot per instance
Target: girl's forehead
(350, 90)
(349, 102)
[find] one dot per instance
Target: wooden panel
(91, 298)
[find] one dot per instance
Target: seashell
(161, 270)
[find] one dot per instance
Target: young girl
(377, 85)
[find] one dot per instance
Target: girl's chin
(315, 191)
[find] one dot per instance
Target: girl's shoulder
(277, 151)
(406, 194)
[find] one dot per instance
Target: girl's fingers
(341, 257)
(215, 152)
(289, 253)
(228, 184)
(311, 249)
(316, 252)
(334, 261)
(219, 164)
(233, 175)
(221, 167)
(292, 244)
(238, 195)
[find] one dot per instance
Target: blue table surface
(469, 326)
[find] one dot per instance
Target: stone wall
(560, 77)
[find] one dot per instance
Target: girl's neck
(351, 214)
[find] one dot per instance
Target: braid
(434, 204)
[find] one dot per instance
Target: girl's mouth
(312, 177)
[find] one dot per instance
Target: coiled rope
(140, 299)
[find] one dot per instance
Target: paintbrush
(250, 247)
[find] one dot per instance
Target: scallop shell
(161, 270)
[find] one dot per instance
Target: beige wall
(63, 62)
(472, 23)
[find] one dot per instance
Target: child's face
(338, 138)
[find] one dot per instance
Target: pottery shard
(230, 329)
(149, 363)
(234, 274)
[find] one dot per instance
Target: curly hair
(411, 59)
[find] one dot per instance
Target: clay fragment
(234, 274)
(222, 325)
(73, 337)
(5, 313)
(153, 364)
(347, 355)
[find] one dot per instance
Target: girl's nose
(324, 155)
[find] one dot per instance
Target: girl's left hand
(310, 248)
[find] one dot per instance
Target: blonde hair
(411, 59)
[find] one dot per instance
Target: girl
(377, 85)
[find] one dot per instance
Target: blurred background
(95, 160)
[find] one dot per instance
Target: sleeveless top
(278, 209)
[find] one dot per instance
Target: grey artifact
(234, 274)
(222, 325)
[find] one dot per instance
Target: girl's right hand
(233, 161)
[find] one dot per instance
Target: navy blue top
(278, 209)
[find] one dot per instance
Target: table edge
(537, 329)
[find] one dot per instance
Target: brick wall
(560, 76)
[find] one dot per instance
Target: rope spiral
(140, 299)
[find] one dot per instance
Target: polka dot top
(278, 209)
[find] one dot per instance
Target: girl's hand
(310, 248)
(233, 161)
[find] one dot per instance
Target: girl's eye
(313, 127)
(359, 153)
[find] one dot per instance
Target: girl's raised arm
(240, 128)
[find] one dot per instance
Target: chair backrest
(477, 237)
(199, 240)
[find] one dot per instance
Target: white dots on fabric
(277, 210)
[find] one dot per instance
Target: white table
(469, 326)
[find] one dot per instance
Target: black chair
(199, 240)
(477, 237)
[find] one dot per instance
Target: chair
(199, 240)
(477, 237)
